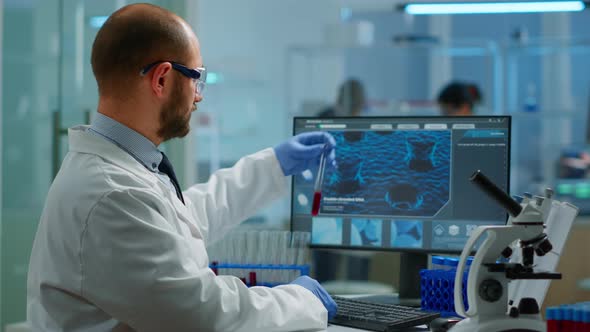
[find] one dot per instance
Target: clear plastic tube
(317, 188)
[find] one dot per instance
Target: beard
(174, 115)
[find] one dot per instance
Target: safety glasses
(198, 75)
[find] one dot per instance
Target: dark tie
(166, 168)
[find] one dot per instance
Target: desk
(23, 327)
(336, 328)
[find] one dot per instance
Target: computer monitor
(402, 184)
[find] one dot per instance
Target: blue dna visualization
(388, 173)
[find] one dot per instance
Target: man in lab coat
(119, 246)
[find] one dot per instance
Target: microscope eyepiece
(497, 194)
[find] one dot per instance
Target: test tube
(317, 189)
(252, 275)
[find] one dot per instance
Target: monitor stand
(409, 281)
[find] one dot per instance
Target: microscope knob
(528, 306)
(507, 252)
(513, 312)
(490, 290)
(549, 192)
(543, 248)
(539, 200)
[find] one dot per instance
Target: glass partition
(399, 79)
(47, 87)
(30, 69)
(547, 93)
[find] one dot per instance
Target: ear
(161, 79)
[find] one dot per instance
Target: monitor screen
(402, 183)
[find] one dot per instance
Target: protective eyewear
(198, 75)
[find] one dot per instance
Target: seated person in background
(573, 164)
(459, 98)
(351, 100)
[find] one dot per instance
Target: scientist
(351, 100)
(119, 246)
(459, 98)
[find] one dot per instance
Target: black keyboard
(378, 317)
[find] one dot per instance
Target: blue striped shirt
(132, 142)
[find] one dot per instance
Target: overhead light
(438, 8)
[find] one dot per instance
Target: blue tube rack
(437, 291)
(303, 270)
(568, 317)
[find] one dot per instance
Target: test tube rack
(253, 271)
(437, 287)
(568, 317)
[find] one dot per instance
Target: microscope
(507, 256)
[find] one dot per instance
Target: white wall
(246, 43)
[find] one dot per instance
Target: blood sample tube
(317, 188)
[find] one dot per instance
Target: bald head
(133, 37)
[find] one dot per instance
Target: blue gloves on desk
(313, 286)
(303, 152)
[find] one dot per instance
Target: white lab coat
(117, 251)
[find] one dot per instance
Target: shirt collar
(137, 145)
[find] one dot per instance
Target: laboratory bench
(22, 327)
(574, 286)
(336, 328)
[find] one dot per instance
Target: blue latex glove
(303, 152)
(313, 286)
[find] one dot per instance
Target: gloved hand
(313, 286)
(303, 152)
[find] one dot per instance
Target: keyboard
(378, 317)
